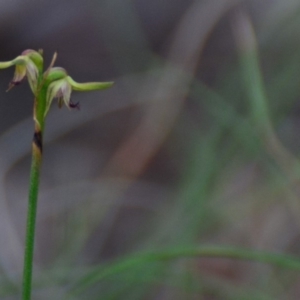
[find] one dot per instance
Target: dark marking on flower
(38, 140)
(74, 105)
(13, 84)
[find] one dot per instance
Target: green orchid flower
(62, 86)
(30, 64)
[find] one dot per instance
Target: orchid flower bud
(30, 64)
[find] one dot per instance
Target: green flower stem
(37, 146)
(31, 221)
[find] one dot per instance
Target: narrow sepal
(89, 86)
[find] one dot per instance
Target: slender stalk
(37, 148)
(31, 215)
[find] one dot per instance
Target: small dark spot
(15, 82)
(12, 84)
(74, 105)
(38, 141)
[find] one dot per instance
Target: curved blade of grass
(259, 108)
(101, 272)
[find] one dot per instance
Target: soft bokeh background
(177, 153)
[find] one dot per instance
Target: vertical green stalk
(37, 147)
(31, 219)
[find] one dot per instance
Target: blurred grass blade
(101, 272)
(253, 81)
(255, 89)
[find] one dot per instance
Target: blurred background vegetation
(196, 144)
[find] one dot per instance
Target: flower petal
(6, 64)
(89, 86)
(52, 92)
(65, 91)
(60, 89)
(20, 72)
(35, 57)
(32, 75)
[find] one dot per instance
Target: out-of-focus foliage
(197, 144)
